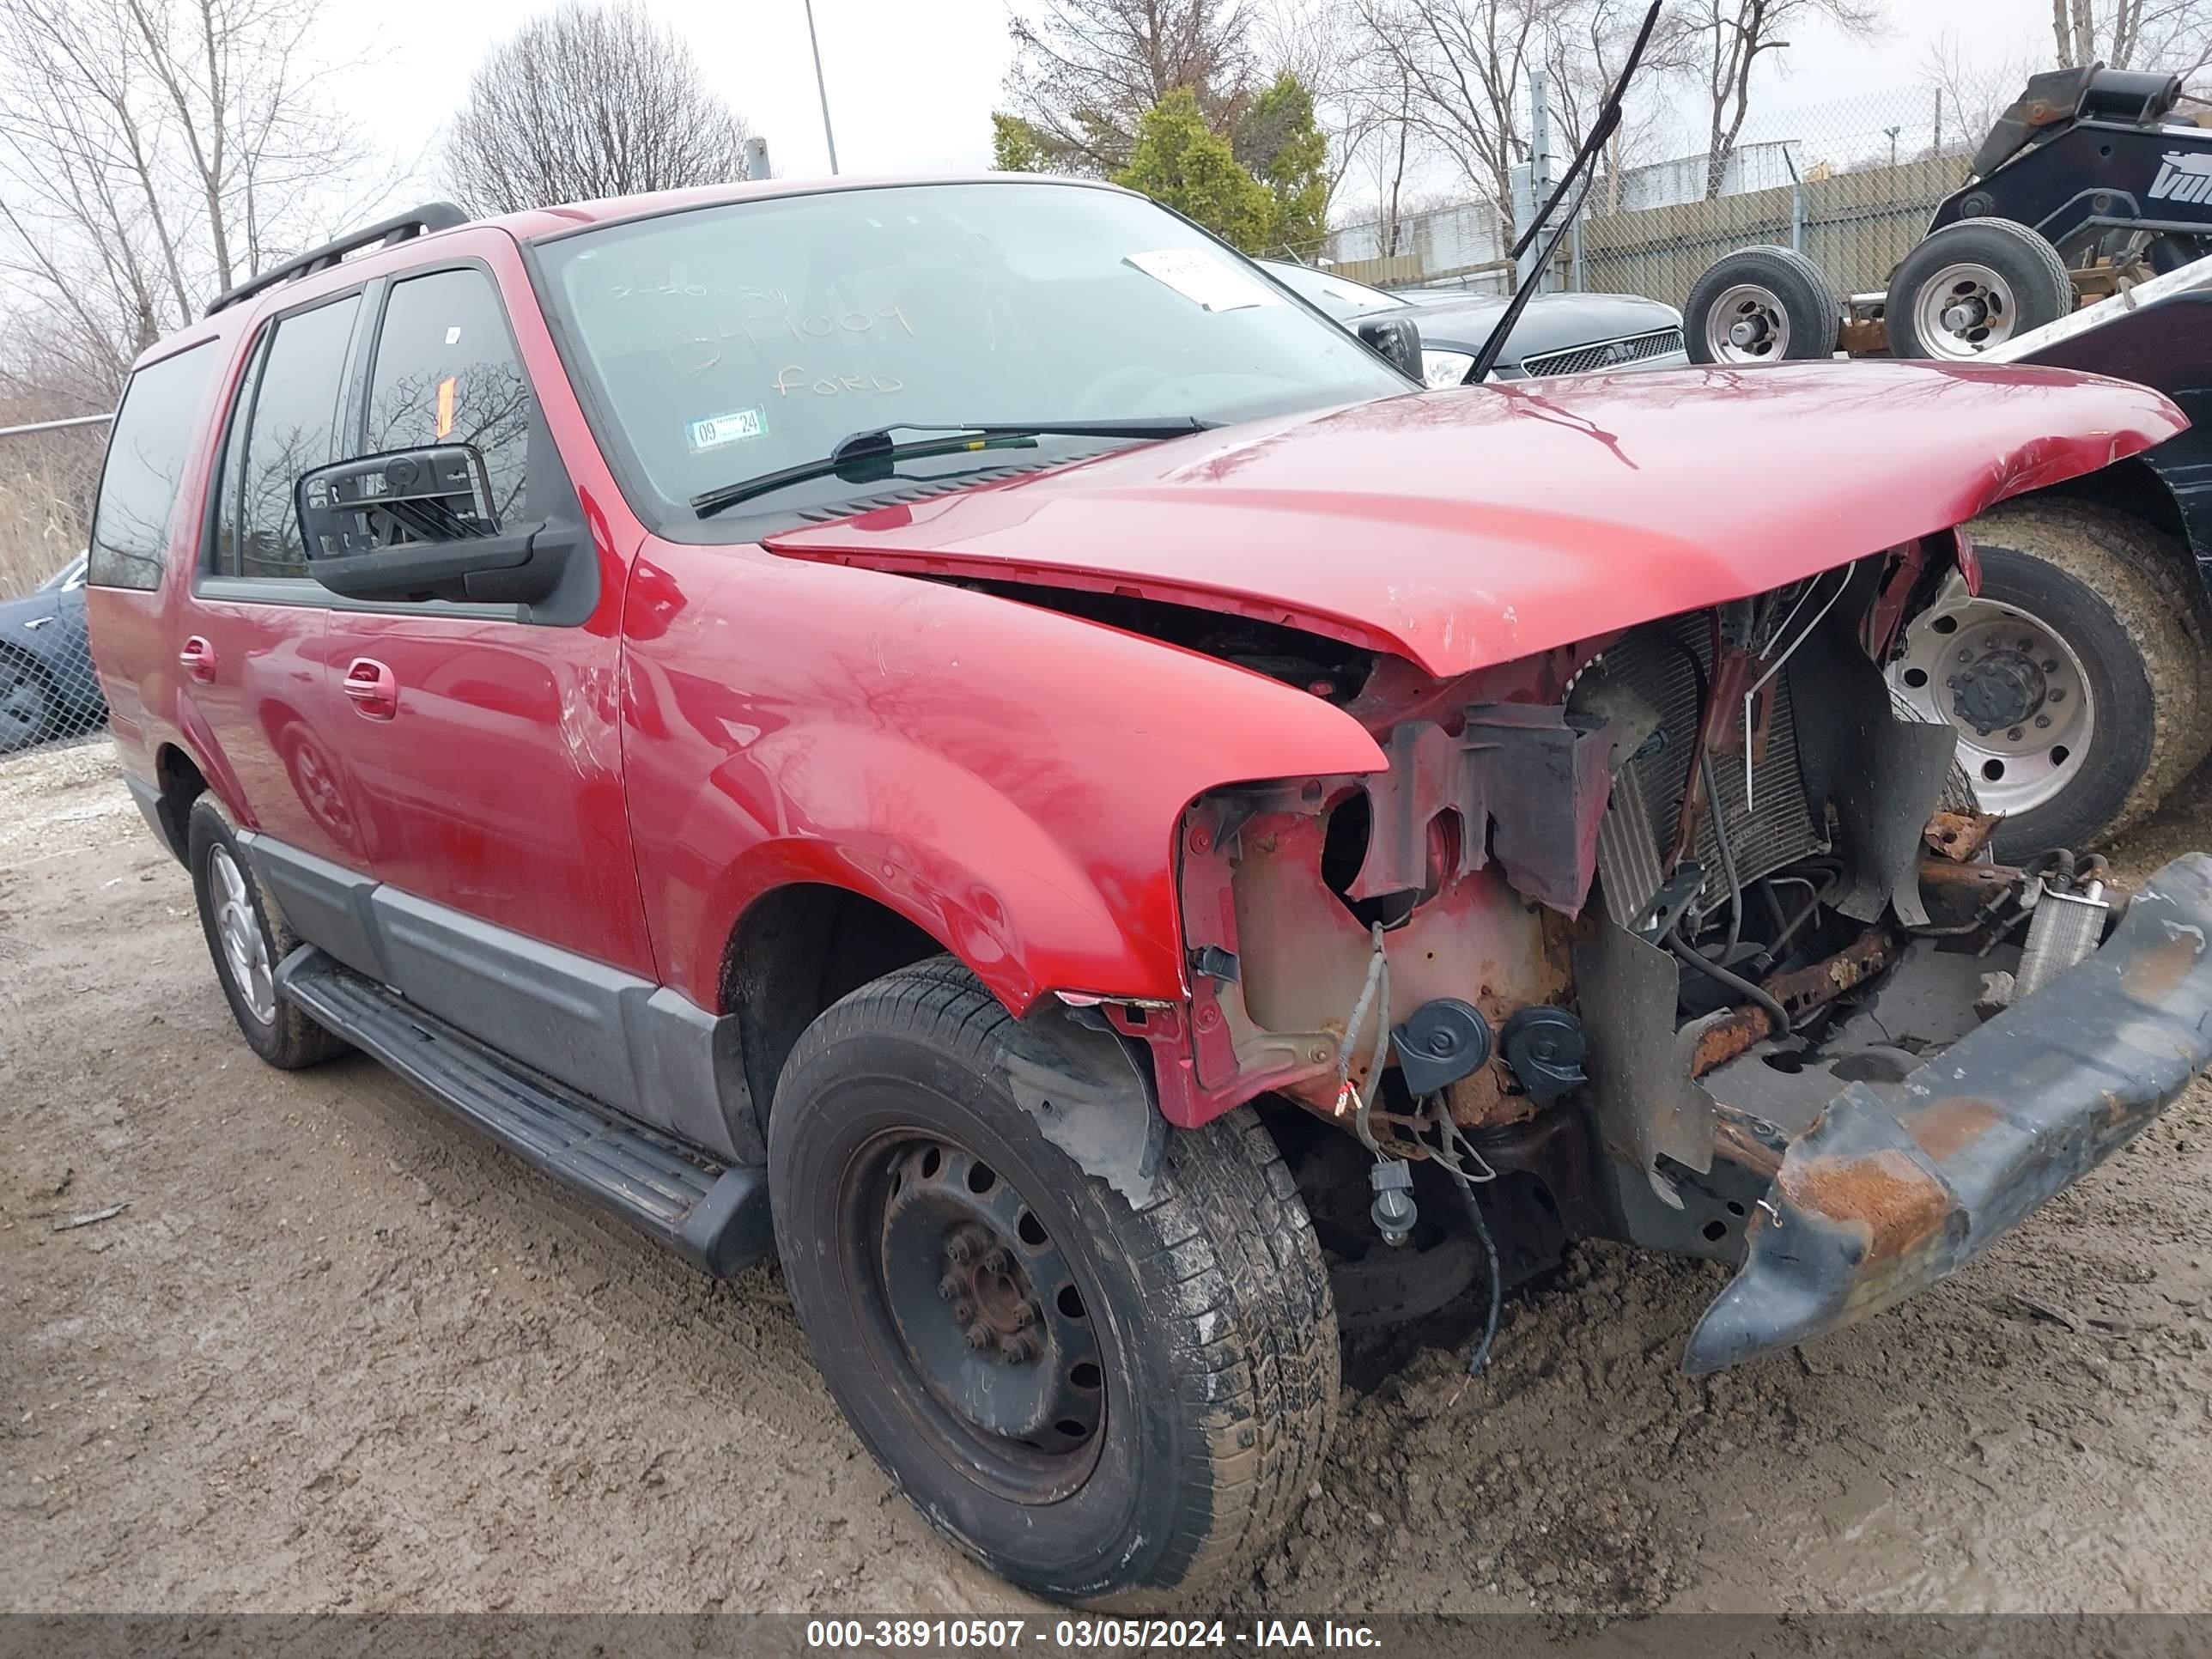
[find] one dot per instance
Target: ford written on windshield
(961, 735)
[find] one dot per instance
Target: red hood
(1464, 528)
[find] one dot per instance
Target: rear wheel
(2074, 679)
(1761, 305)
(1101, 1403)
(247, 939)
(1973, 285)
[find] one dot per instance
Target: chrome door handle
(372, 688)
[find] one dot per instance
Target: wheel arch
(178, 783)
(795, 949)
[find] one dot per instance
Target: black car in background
(1558, 334)
(47, 687)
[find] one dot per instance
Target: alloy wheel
(1747, 324)
(245, 951)
(1963, 310)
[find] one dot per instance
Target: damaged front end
(1682, 931)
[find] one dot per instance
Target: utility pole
(821, 87)
(1538, 170)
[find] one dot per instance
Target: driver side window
(446, 373)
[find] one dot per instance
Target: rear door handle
(197, 659)
(373, 688)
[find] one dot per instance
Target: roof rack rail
(399, 227)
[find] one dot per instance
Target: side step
(715, 1216)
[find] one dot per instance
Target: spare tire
(1973, 285)
(1761, 305)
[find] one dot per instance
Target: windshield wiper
(1600, 129)
(870, 451)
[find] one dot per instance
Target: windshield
(1340, 296)
(728, 342)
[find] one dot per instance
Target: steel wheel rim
(1963, 310)
(22, 707)
(1747, 324)
(245, 951)
(2035, 674)
(1019, 1405)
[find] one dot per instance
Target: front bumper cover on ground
(1883, 1196)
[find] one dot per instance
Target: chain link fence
(1850, 185)
(48, 691)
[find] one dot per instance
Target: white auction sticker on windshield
(1204, 278)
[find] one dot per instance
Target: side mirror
(418, 523)
(1395, 340)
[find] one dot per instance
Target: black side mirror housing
(1395, 340)
(418, 523)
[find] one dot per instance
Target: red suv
(966, 718)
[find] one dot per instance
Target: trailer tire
(1973, 285)
(1760, 304)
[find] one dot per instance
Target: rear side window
(447, 373)
(161, 412)
(289, 414)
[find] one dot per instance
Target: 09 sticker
(714, 431)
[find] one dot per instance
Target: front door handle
(372, 688)
(197, 659)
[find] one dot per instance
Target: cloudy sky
(912, 83)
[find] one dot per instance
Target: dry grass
(46, 481)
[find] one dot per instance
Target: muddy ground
(339, 1353)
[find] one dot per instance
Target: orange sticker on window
(446, 407)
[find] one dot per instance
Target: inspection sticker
(717, 430)
(1204, 278)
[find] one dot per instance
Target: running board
(713, 1215)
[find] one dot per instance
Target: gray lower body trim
(324, 903)
(640, 1048)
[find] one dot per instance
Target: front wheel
(2074, 678)
(1101, 1404)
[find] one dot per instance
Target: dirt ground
(339, 1353)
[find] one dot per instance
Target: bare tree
(1465, 65)
(1970, 93)
(1726, 40)
(1085, 70)
(1395, 149)
(2149, 35)
(153, 152)
(585, 102)
(1319, 42)
(1586, 47)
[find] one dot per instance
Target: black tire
(2041, 287)
(30, 712)
(288, 1040)
(1207, 1311)
(1800, 295)
(2091, 577)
